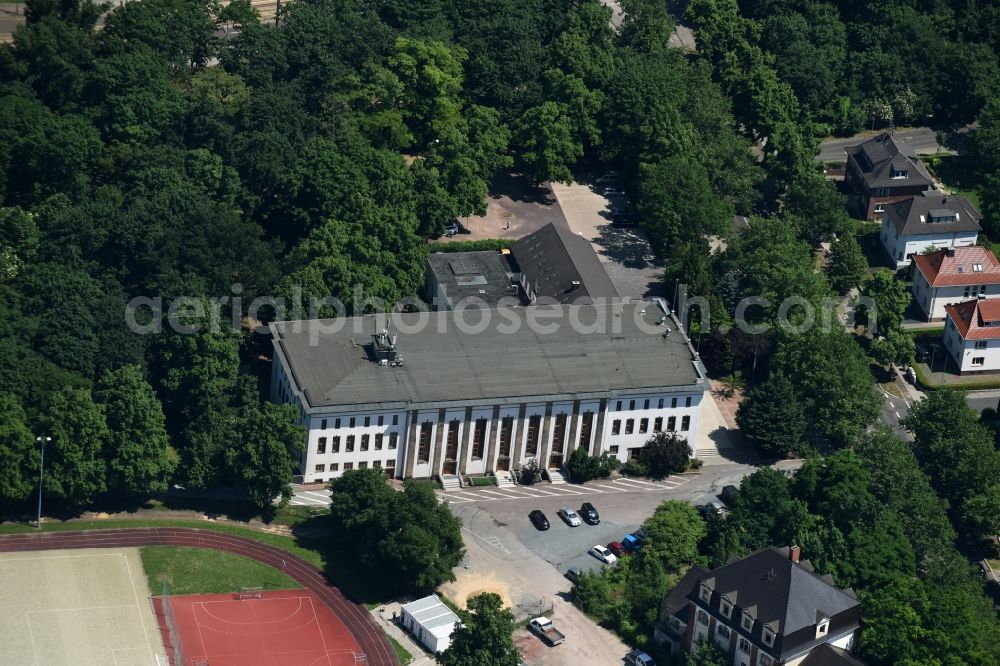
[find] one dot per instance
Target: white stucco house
(931, 219)
(430, 621)
(451, 397)
(972, 335)
(954, 275)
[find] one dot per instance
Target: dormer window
(706, 594)
(899, 173)
(977, 268)
(768, 637)
(726, 608)
(822, 628)
(747, 622)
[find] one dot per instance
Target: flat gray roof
(481, 274)
(431, 613)
(595, 349)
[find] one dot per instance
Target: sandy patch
(469, 584)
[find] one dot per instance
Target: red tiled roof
(957, 270)
(971, 318)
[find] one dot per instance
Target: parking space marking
(522, 493)
(544, 492)
(491, 540)
(644, 483)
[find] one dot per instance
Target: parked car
(570, 517)
(639, 658)
(715, 507)
(603, 554)
(921, 353)
(614, 192)
(632, 543)
(618, 549)
(608, 177)
(573, 573)
(539, 520)
(546, 630)
(589, 513)
(728, 494)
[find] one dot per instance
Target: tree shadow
(520, 188)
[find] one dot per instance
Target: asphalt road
(980, 400)
(923, 140)
(893, 411)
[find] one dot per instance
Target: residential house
(972, 335)
(453, 393)
(925, 221)
(882, 171)
(766, 609)
(954, 275)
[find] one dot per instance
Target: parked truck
(546, 631)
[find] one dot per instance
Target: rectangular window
(671, 423)
(585, 428)
(645, 404)
(351, 422)
(614, 450)
(643, 425)
(977, 360)
(658, 424)
(558, 432)
(381, 419)
(659, 403)
(673, 403)
(685, 423)
(390, 464)
(321, 445)
(629, 426)
(965, 294)
(378, 441)
(746, 623)
(619, 407)
(687, 401)
(322, 424)
(744, 645)
(368, 421)
(631, 404)
(880, 208)
(726, 608)
(506, 431)
(531, 446)
(393, 438)
(334, 467)
(364, 442)
(616, 427)
(336, 444)
(451, 444)
(362, 465)
(377, 464)
(348, 466)
(336, 423)
(424, 449)
(350, 443)
(980, 344)
(320, 468)
(395, 419)
(479, 439)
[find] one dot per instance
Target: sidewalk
(383, 615)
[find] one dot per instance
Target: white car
(639, 658)
(613, 192)
(603, 554)
(571, 517)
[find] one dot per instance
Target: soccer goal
(250, 593)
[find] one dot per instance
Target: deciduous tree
(485, 635)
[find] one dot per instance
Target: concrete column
(438, 444)
(463, 446)
(494, 437)
(574, 425)
(599, 428)
(412, 437)
(516, 435)
(543, 445)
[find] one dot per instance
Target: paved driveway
(515, 207)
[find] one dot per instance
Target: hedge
(469, 245)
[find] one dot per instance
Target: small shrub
(634, 468)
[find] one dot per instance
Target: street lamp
(42, 441)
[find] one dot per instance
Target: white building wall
(333, 433)
(630, 412)
(900, 248)
(933, 301)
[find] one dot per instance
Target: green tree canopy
(485, 635)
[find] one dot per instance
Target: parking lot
(572, 493)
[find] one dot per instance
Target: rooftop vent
(383, 349)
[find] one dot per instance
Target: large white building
(446, 398)
(930, 219)
(954, 275)
(972, 335)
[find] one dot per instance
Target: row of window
(659, 403)
(335, 467)
(352, 421)
(321, 443)
(616, 425)
(974, 290)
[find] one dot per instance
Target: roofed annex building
(766, 609)
(455, 397)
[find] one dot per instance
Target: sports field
(76, 608)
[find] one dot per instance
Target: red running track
(355, 617)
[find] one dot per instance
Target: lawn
(956, 175)
(404, 656)
(203, 571)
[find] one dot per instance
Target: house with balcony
(972, 335)
(882, 171)
(954, 275)
(766, 609)
(925, 222)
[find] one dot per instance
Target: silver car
(571, 517)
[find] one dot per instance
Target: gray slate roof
(553, 257)
(911, 216)
(480, 274)
(444, 366)
(879, 156)
(827, 655)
